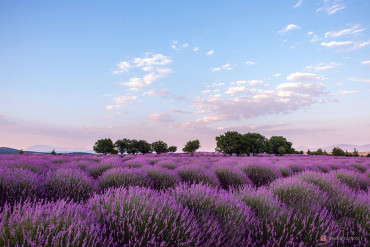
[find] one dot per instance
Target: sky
(73, 72)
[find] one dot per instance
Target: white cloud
(286, 97)
(310, 33)
(175, 42)
(331, 6)
(315, 38)
(355, 79)
(367, 62)
(255, 82)
(323, 66)
(216, 84)
(157, 92)
(125, 99)
(195, 48)
(109, 107)
(349, 31)
(174, 47)
(206, 91)
(238, 82)
(235, 90)
(288, 28)
(209, 53)
(223, 67)
(346, 45)
(249, 63)
(298, 76)
(348, 92)
(147, 63)
(277, 74)
(298, 4)
(164, 70)
(161, 118)
(185, 45)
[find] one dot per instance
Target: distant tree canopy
(230, 143)
(21, 151)
(53, 152)
(172, 149)
(104, 146)
(279, 145)
(233, 142)
(122, 145)
(317, 152)
(337, 151)
(160, 147)
(191, 146)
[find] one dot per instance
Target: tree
(355, 153)
(53, 152)
(281, 150)
(122, 145)
(172, 149)
(275, 142)
(104, 146)
(160, 147)
(133, 147)
(337, 151)
(144, 147)
(21, 151)
(191, 147)
(256, 143)
(231, 142)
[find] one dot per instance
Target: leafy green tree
(144, 147)
(53, 152)
(172, 149)
(104, 146)
(160, 147)
(278, 141)
(337, 151)
(21, 151)
(256, 143)
(281, 150)
(191, 147)
(122, 145)
(133, 146)
(355, 153)
(231, 142)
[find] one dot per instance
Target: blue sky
(75, 71)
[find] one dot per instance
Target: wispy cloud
(355, 79)
(331, 6)
(349, 31)
(147, 63)
(196, 49)
(235, 90)
(209, 53)
(249, 63)
(223, 67)
(323, 66)
(289, 28)
(315, 38)
(348, 92)
(298, 4)
(299, 76)
(346, 45)
(157, 92)
(161, 118)
(366, 62)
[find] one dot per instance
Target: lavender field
(180, 200)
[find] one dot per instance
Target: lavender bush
(124, 177)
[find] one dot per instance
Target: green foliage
(276, 142)
(337, 151)
(160, 147)
(132, 147)
(53, 152)
(256, 143)
(231, 142)
(144, 147)
(21, 151)
(104, 146)
(191, 146)
(355, 153)
(172, 149)
(122, 145)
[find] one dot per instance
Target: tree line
(122, 146)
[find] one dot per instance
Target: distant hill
(48, 149)
(6, 150)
